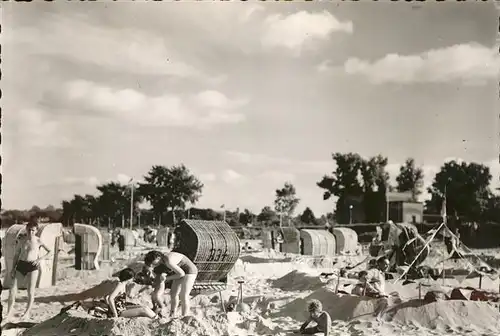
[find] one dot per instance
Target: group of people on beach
(161, 270)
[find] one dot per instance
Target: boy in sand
(116, 299)
(26, 263)
(321, 318)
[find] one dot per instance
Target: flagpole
(131, 202)
(386, 207)
(445, 221)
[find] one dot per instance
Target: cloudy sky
(247, 95)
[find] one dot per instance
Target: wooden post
(444, 273)
(222, 302)
(419, 290)
(480, 280)
(240, 294)
(55, 260)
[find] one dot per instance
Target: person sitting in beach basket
(26, 263)
(321, 318)
(182, 280)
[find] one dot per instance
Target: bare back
(322, 321)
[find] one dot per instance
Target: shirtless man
(316, 314)
(26, 263)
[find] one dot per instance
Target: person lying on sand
(321, 318)
(116, 299)
(183, 279)
(26, 263)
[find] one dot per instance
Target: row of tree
(466, 187)
(170, 191)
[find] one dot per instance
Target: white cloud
(232, 177)
(123, 179)
(470, 63)
(217, 100)
(255, 158)
(125, 50)
(140, 109)
(37, 129)
(295, 30)
(276, 176)
(324, 66)
(208, 177)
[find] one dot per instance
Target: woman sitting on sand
(26, 264)
(184, 275)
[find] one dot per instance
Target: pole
(386, 208)
(281, 216)
(131, 204)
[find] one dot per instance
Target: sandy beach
(275, 291)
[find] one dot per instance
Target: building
(403, 209)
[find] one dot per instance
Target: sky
(247, 95)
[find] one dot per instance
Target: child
(116, 300)
(26, 263)
(364, 287)
(316, 314)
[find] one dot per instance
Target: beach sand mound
(442, 314)
(298, 280)
(79, 323)
(454, 314)
(340, 307)
(186, 326)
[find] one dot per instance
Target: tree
(308, 217)
(267, 216)
(466, 186)
(359, 183)
(113, 202)
(170, 188)
(286, 200)
(375, 186)
(246, 217)
(410, 179)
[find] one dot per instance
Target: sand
(275, 292)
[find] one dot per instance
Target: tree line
(172, 193)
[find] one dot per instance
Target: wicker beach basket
(317, 243)
(212, 245)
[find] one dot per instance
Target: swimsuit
(188, 266)
(25, 267)
(185, 264)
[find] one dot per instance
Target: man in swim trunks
(26, 264)
(321, 318)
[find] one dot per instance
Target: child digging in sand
(115, 300)
(316, 314)
(26, 263)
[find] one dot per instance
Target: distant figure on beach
(26, 263)
(171, 267)
(372, 281)
(321, 318)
